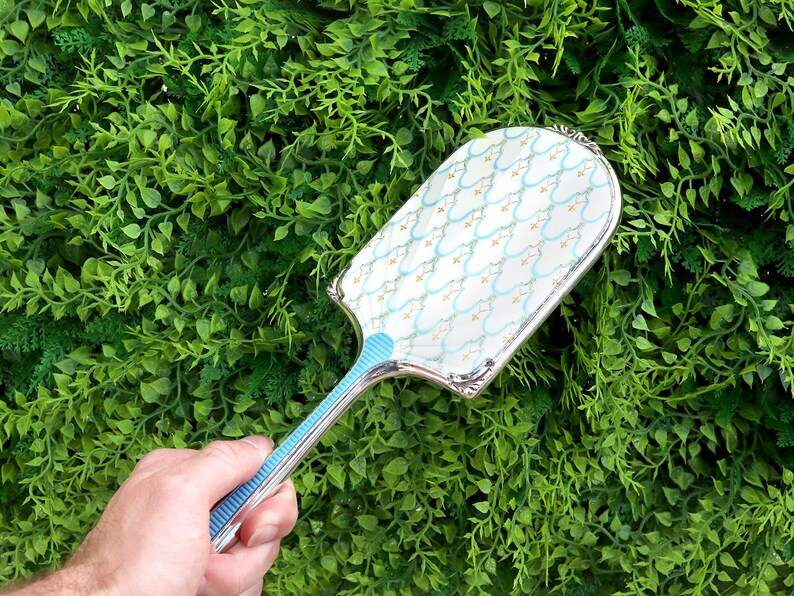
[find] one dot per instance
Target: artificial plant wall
(180, 180)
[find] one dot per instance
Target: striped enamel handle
(228, 515)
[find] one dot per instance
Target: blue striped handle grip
(228, 515)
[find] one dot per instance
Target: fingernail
(262, 535)
(261, 443)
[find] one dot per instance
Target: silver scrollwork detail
(335, 289)
(577, 137)
(470, 384)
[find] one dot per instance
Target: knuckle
(153, 457)
(221, 454)
(217, 449)
(163, 485)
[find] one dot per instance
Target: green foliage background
(180, 180)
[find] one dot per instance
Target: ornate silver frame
(472, 384)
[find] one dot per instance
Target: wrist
(71, 580)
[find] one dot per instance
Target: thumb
(223, 465)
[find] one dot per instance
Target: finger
(255, 590)
(239, 569)
(223, 465)
(273, 518)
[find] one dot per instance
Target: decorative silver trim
(337, 294)
(471, 384)
(578, 137)
(335, 288)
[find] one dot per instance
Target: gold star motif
(487, 159)
(515, 172)
(456, 260)
(478, 192)
(404, 227)
(516, 300)
(524, 142)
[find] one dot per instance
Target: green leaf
(493, 9)
(668, 189)
(193, 21)
(622, 277)
(239, 219)
(258, 103)
(152, 391)
(256, 299)
(151, 197)
(132, 230)
(202, 409)
(107, 181)
(404, 137)
(367, 522)
(337, 475)
(147, 11)
(19, 29)
(203, 329)
(10, 47)
(35, 17)
(158, 246)
(757, 288)
(328, 563)
(396, 466)
(147, 136)
(727, 560)
(773, 323)
(281, 232)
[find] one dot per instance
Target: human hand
(153, 537)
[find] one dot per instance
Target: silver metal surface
(471, 385)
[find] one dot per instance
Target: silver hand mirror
(459, 278)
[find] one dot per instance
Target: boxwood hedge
(180, 180)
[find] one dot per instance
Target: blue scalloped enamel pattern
(477, 250)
